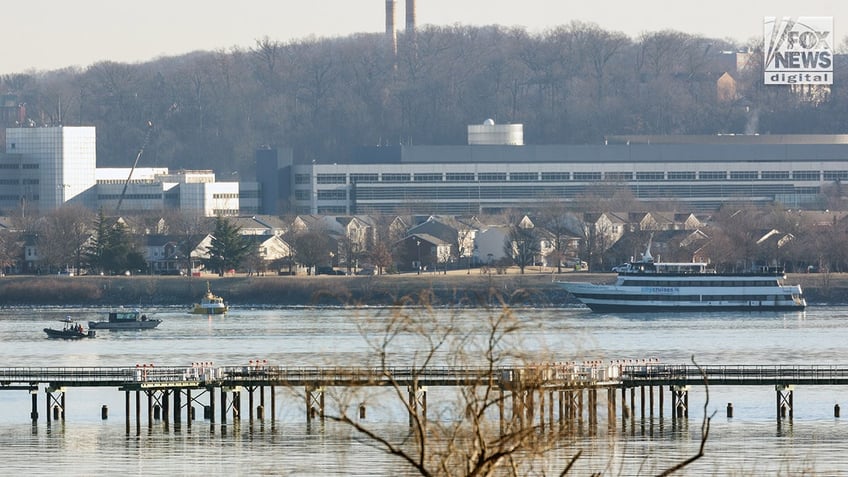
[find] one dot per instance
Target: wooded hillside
(573, 84)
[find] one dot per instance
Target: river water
(752, 442)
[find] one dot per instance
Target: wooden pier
(560, 390)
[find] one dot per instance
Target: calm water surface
(751, 443)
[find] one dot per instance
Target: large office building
(44, 168)
(496, 171)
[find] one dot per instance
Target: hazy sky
(50, 34)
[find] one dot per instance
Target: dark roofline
(732, 139)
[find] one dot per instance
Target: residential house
(489, 244)
(423, 252)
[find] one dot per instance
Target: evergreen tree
(228, 248)
(99, 239)
(111, 250)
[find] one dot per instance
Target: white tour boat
(646, 285)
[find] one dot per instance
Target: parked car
(328, 271)
(621, 268)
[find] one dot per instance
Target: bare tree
(522, 245)
(11, 251)
(62, 236)
(487, 426)
(312, 248)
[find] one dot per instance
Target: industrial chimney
(410, 16)
(391, 32)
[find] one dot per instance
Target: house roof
(436, 228)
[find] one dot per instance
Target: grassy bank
(472, 289)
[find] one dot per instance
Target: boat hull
(642, 308)
(68, 334)
(616, 298)
(208, 310)
(133, 325)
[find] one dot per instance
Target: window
(331, 179)
(712, 175)
(835, 175)
(650, 176)
(523, 176)
(335, 194)
(806, 175)
(362, 178)
(618, 176)
(681, 176)
(428, 177)
(587, 176)
(775, 175)
(396, 177)
(459, 177)
(301, 179)
(301, 194)
(491, 176)
(556, 176)
(743, 175)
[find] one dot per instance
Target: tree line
(733, 239)
(575, 83)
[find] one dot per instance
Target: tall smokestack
(410, 16)
(391, 32)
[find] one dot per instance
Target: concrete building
(699, 172)
(45, 168)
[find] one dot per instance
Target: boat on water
(70, 331)
(210, 304)
(125, 320)
(649, 286)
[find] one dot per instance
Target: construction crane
(137, 157)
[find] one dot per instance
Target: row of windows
(473, 192)
(711, 283)
(594, 176)
(694, 298)
(225, 196)
(332, 209)
(333, 194)
(15, 197)
(129, 196)
(225, 211)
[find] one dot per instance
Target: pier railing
(555, 375)
(657, 374)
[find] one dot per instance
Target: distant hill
(324, 97)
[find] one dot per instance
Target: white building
(44, 168)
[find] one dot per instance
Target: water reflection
(753, 442)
